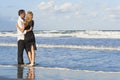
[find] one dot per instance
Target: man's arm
(21, 29)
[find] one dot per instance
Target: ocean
(79, 50)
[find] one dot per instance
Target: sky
(63, 14)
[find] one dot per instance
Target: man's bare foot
(22, 65)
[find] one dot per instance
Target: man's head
(21, 13)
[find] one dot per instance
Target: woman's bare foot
(31, 64)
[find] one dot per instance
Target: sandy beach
(41, 73)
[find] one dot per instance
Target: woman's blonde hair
(29, 17)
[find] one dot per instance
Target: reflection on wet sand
(20, 72)
(30, 75)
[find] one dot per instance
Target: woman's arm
(21, 29)
(31, 28)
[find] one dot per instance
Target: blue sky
(63, 14)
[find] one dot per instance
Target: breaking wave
(70, 33)
(82, 34)
(68, 46)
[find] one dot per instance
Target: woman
(30, 43)
(30, 38)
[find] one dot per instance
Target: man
(21, 32)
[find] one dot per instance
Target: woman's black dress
(30, 37)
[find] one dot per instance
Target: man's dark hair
(21, 11)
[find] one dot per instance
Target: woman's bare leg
(32, 55)
(29, 56)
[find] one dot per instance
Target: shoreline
(37, 73)
(57, 68)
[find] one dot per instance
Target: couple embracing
(26, 38)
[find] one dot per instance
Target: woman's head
(29, 17)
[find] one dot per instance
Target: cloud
(47, 5)
(117, 8)
(93, 14)
(52, 6)
(67, 16)
(66, 7)
(114, 13)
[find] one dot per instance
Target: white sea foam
(2, 65)
(68, 46)
(83, 34)
(79, 47)
(8, 34)
(78, 34)
(8, 44)
(67, 69)
(58, 68)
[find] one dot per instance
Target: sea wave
(87, 47)
(58, 68)
(70, 33)
(83, 34)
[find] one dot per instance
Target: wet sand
(41, 73)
